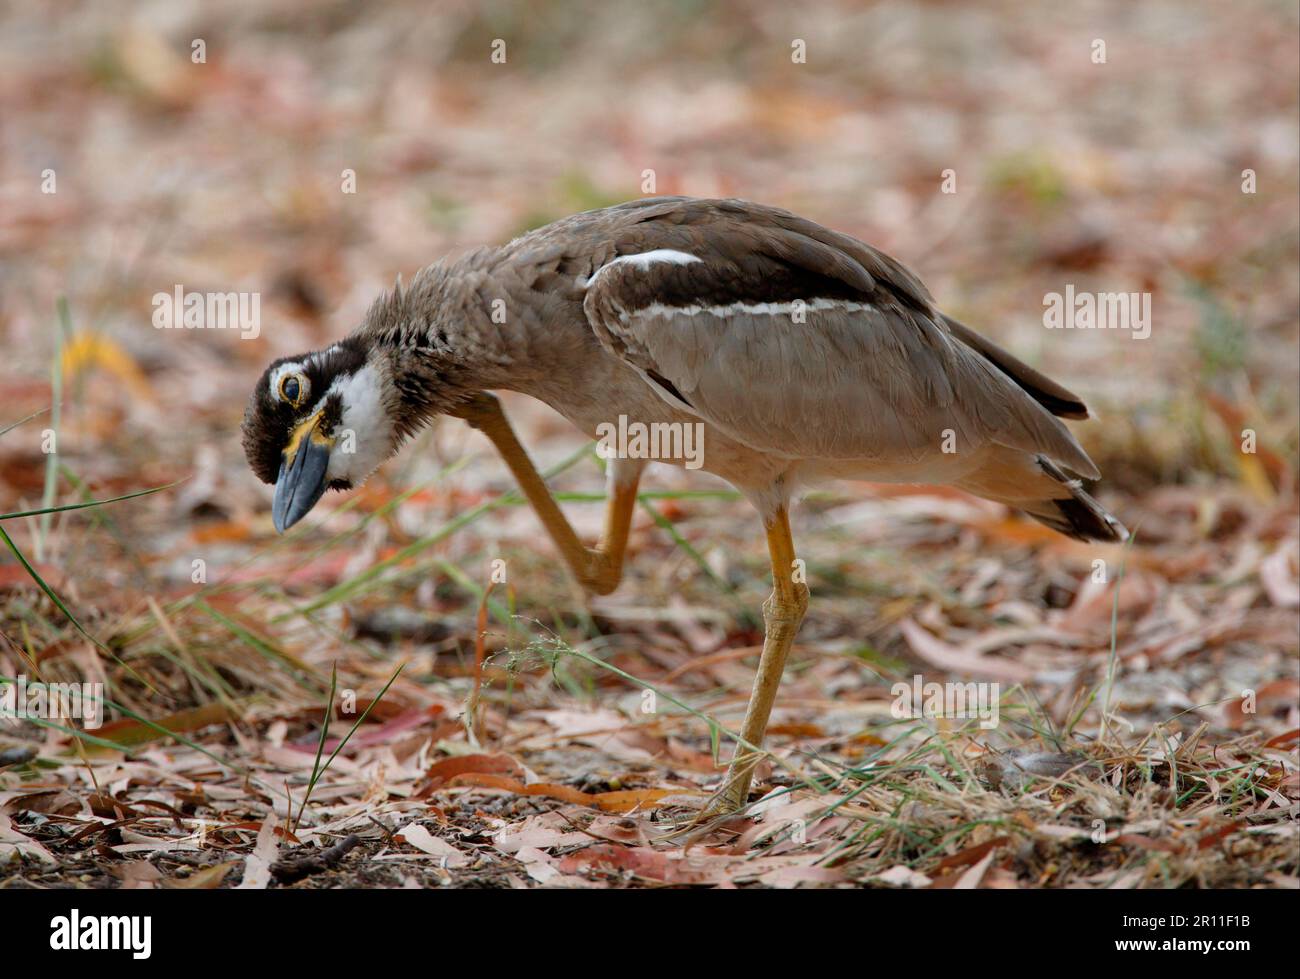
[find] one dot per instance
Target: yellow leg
(782, 614)
(598, 570)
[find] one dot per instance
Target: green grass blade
(22, 421)
(49, 592)
(52, 459)
(256, 642)
(317, 772)
(14, 515)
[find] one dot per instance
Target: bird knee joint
(787, 608)
(801, 597)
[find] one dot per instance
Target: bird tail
(1039, 487)
(1077, 515)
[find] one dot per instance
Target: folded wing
(802, 342)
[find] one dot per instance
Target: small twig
(287, 870)
(388, 833)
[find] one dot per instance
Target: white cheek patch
(364, 434)
(641, 262)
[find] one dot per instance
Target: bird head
(322, 420)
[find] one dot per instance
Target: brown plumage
(801, 354)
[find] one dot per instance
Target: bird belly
(936, 469)
(627, 419)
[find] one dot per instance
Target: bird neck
(460, 328)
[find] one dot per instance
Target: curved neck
(472, 325)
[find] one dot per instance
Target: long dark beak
(302, 475)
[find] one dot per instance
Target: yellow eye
(293, 389)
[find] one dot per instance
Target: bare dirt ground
(1148, 695)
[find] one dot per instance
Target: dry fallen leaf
(424, 841)
(257, 866)
(939, 653)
